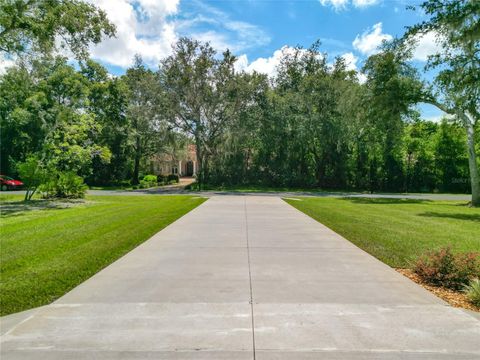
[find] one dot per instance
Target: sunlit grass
(47, 248)
(397, 231)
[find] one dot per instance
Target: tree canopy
(313, 124)
(36, 26)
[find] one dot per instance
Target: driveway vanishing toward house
(244, 277)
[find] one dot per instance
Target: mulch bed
(454, 298)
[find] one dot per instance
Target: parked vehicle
(7, 183)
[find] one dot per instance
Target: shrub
(144, 184)
(173, 178)
(150, 178)
(444, 268)
(67, 185)
(162, 179)
(472, 291)
(33, 174)
(148, 181)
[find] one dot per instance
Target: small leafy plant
(67, 185)
(173, 179)
(472, 291)
(444, 268)
(148, 181)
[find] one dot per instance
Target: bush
(444, 268)
(150, 178)
(33, 174)
(67, 185)
(173, 178)
(472, 291)
(162, 179)
(148, 181)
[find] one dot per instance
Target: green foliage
(444, 268)
(173, 178)
(148, 181)
(38, 25)
(33, 174)
(472, 291)
(147, 127)
(48, 117)
(64, 185)
(201, 96)
(107, 100)
(455, 88)
(150, 178)
(314, 125)
(162, 179)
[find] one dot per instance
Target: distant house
(183, 165)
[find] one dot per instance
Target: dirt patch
(454, 298)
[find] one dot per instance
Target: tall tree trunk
(472, 158)
(136, 168)
(200, 164)
(468, 122)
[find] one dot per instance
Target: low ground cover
(49, 247)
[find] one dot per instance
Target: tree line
(314, 124)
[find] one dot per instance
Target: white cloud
(344, 4)
(269, 65)
(351, 63)
(370, 40)
(217, 40)
(241, 63)
(337, 4)
(266, 66)
(5, 63)
(362, 78)
(364, 3)
(150, 28)
(142, 28)
(223, 32)
(426, 45)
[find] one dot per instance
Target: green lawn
(48, 248)
(397, 231)
(307, 190)
(257, 189)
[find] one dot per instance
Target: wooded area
(315, 124)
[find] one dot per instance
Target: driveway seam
(250, 278)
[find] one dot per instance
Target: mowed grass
(48, 248)
(397, 231)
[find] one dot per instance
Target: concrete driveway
(245, 278)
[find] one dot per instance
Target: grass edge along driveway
(397, 231)
(46, 253)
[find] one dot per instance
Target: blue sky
(257, 30)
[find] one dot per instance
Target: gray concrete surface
(245, 278)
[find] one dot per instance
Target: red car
(7, 183)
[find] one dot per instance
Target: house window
(174, 170)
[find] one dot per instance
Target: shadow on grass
(13, 208)
(385, 201)
(467, 217)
